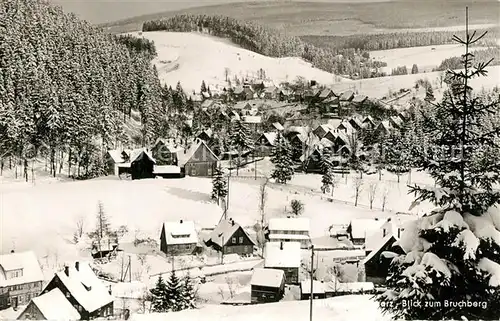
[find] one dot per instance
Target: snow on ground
(380, 87)
(345, 308)
(426, 57)
(193, 57)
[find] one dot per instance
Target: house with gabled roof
(270, 92)
(325, 93)
(347, 96)
(284, 94)
(290, 229)
(284, 256)
(356, 123)
(265, 144)
(278, 127)
(318, 289)
(346, 127)
(377, 263)
(207, 104)
(394, 225)
(383, 128)
(267, 285)
(113, 159)
(359, 229)
(178, 238)
(84, 291)
(205, 135)
(321, 130)
(21, 279)
(52, 306)
(359, 99)
(229, 237)
(197, 159)
(164, 151)
(396, 122)
(368, 123)
(331, 135)
(142, 164)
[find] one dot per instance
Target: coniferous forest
(68, 88)
(273, 43)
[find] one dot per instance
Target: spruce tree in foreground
(174, 293)
(219, 185)
(282, 160)
(188, 293)
(453, 253)
(159, 296)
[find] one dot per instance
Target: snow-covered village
(305, 160)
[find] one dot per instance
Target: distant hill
(193, 57)
(338, 18)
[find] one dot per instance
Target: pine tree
(281, 158)
(239, 138)
(453, 253)
(174, 293)
(188, 293)
(159, 296)
(326, 169)
(203, 87)
(414, 69)
(219, 185)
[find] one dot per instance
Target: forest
(394, 40)
(341, 61)
(479, 55)
(67, 88)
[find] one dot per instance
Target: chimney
(12, 251)
(109, 289)
(376, 218)
(232, 222)
(66, 270)
(77, 266)
(181, 221)
(281, 245)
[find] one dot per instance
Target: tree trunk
(61, 162)
(379, 174)
(69, 162)
(26, 170)
(33, 172)
(398, 176)
(1, 167)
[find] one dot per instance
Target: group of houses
(74, 293)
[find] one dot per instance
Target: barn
(142, 165)
(198, 159)
(267, 285)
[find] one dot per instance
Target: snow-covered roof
(270, 137)
(385, 124)
(387, 239)
(391, 226)
(278, 126)
(136, 153)
(166, 169)
(324, 93)
(396, 120)
(54, 306)
(252, 119)
(348, 127)
(85, 287)
(318, 287)
(267, 277)
(352, 287)
(289, 224)
(224, 231)
(325, 142)
(207, 103)
(184, 155)
(359, 98)
(27, 261)
(357, 121)
(116, 155)
(282, 255)
(362, 227)
(182, 232)
(347, 95)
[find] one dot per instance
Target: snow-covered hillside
(193, 57)
(344, 308)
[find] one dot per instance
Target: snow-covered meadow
(193, 57)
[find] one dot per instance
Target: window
(384, 232)
(67, 294)
(233, 240)
(241, 239)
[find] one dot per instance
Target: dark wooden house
(178, 238)
(377, 264)
(284, 256)
(52, 305)
(267, 285)
(313, 163)
(265, 144)
(20, 279)
(83, 290)
(104, 249)
(356, 123)
(229, 237)
(205, 135)
(360, 229)
(321, 130)
(198, 159)
(142, 165)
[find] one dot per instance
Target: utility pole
(311, 276)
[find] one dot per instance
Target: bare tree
(372, 191)
(385, 193)
(262, 207)
(358, 185)
(80, 223)
(227, 72)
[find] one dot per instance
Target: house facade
(142, 165)
(318, 290)
(265, 144)
(376, 264)
(284, 256)
(83, 290)
(360, 229)
(293, 229)
(52, 305)
(21, 279)
(178, 238)
(198, 159)
(267, 285)
(229, 237)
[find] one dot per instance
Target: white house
(290, 229)
(284, 256)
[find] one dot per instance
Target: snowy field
(426, 57)
(381, 86)
(193, 57)
(346, 308)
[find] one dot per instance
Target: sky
(100, 11)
